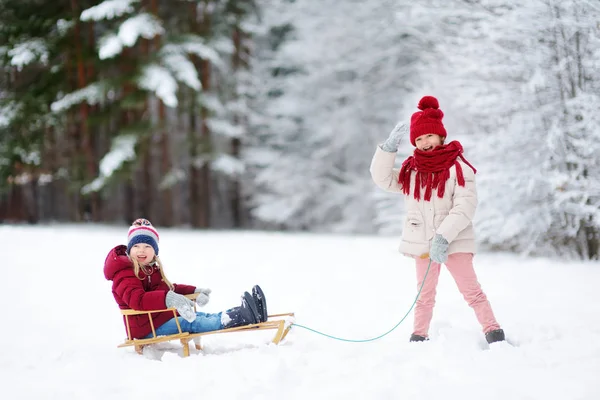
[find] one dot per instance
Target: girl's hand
(439, 249)
(393, 141)
(183, 305)
(203, 297)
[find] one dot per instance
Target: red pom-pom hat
(428, 120)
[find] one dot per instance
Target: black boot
(238, 316)
(246, 314)
(418, 338)
(248, 301)
(261, 302)
(495, 336)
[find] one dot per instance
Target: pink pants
(460, 266)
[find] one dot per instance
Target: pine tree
(94, 94)
(37, 65)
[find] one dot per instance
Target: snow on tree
(521, 79)
(333, 87)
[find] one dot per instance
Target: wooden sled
(280, 322)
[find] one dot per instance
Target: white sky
(61, 325)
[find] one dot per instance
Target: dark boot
(495, 336)
(261, 302)
(418, 338)
(239, 316)
(248, 301)
(246, 314)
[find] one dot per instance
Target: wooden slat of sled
(275, 321)
(271, 323)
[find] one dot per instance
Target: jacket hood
(116, 260)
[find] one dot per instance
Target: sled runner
(281, 322)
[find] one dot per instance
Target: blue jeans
(203, 323)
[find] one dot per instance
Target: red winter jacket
(133, 293)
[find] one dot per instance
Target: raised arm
(382, 168)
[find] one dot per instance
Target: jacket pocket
(414, 228)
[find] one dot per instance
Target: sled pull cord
(382, 335)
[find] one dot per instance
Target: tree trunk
(126, 118)
(193, 141)
(147, 190)
(593, 241)
(90, 170)
(166, 165)
(235, 191)
(194, 178)
(200, 176)
(165, 148)
(49, 160)
(94, 135)
(557, 59)
(204, 171)
(15, 204)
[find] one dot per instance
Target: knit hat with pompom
(142, 231)
(428, 120)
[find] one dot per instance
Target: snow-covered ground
(61, 326)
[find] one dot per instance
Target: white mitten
(393, 141)
(203, 297)
(183, 305)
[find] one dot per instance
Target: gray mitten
(393, 141)
(203, 297)
(439, 249)
(183, 305)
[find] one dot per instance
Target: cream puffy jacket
(450, 216)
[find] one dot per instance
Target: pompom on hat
(142, 231)
(428, 120)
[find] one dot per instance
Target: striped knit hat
(142, 231)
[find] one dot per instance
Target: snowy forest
(265, 114)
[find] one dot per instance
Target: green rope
(380, 336)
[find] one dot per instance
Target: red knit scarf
(433, 169)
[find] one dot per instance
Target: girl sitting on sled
(139, 283)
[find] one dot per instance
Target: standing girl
(440, 198)
(139, 283)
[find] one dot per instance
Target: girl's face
(143, 253)
(428, 141)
